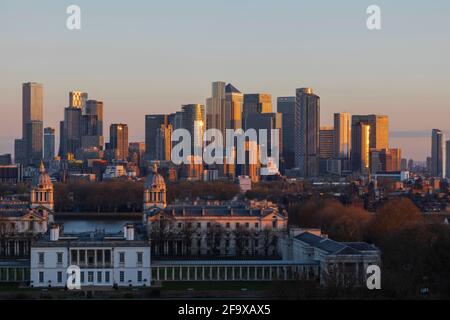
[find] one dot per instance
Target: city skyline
(404, 140)
(298, 44)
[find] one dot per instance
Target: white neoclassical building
(343, 262)
(104, 260)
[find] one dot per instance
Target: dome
(155, 180)
(43, 179)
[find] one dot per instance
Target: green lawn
(217, 286)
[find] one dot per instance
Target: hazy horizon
(144, 57)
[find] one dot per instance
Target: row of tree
(127, 196)
(415, 250)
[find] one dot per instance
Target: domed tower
(42, 190)
(154, 191)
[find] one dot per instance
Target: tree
(160, 233)
(394, 216)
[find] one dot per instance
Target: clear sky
(143, 57)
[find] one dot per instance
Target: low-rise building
(339, 262)
(104, 260)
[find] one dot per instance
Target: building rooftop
(215, 211)
(96, 238)
(334, 247)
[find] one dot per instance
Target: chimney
(130, 232)
(54, 233)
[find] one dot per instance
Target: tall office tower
(176, 120)
(307, 124)
(286, 106)
(326, 142)
(361, 147)
(153, 123)
(393, 159)
(428, 165)
(20, 151)
(164, 142)
(193, 120)
(447, 157)
(70, 141)
(118, 141)
(62, 140)
(404, 165)
(342, 135)
(215, 108)
(438, 154)
(92, 126)
(77, 99)
(29, 150)
(32, 104)
(267, 121)
(410, 164)
(136, 153)
(94, 107)
(49, 144)
(379, 129)
(251, 166)
(34, 142)
(233, 110)
(256, 103)
(385, 160)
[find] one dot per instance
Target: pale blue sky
(143, 57)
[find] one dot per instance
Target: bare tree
(241, 236)
(214, 236)
(187, 235)
(161, 233)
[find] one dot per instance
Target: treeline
(415, 251)
(7, 189)
(111, 196)
(127, 196)
(274, 190)
(192, 190)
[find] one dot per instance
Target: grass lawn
(217, 286)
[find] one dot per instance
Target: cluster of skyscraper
(355, 144)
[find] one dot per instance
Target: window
(41, 277)
(107, 256)
(74, 256)
(90, 277)
(99, 276)
(237, 224)
(139, 276)
(90, 257)
(107, 276)
(122, 276)
(274, 224)
(121, 257)
(82, 277)
(59, 258)
(199, 225)
(82, 256)
(228, 225)
(208, 225)
(41, 257)
(247, 225)
(99, 256)
(59, 276)
(139, 258)
(256, 225)
(179, 225)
